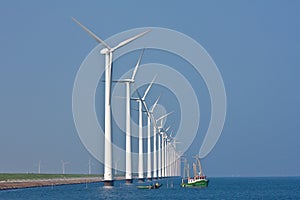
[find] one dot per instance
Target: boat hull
(200, 183)
(149, 187)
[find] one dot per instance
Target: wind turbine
(154, 141)
(39, 167)
(141, 101)
(161, 155)
(170, 155)
(90, 166)
(165, 150)
(63, 164)
(175, 154)
(127, 82)
(108, 52)
(149, 119)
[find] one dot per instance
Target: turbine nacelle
(124, 81)
(104, 51)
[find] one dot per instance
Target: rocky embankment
(15, 184)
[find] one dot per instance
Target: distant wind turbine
(39, 167)
(165, 149)
(63, 165)
(173, 155)
(90, 166)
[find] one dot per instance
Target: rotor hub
(104, 51)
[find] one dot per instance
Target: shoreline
(30, 183)
(18, 184)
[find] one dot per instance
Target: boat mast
(199, 165)
(188, 170)
(184, 168)
(195, 169)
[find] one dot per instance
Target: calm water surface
(219, 188)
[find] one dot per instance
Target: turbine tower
(161, 154)
(174, 161)
(63, 165)
(154, 141)
(166, 152)
(108, 52)
(149, 163)
(90, 166)
(128, 82)
(169, 156)
(141, 101)
(39, 167)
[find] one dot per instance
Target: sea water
(219, 188)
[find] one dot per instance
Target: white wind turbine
(127, 82)
(174, 155)
(149, 119)
(154, 142)
(90, 164)
(39, 167)
(108, 52)
(164, 151)
(63, 165)
(141, 101)
(161, 154)
(170, 156)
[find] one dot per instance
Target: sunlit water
(219, 188)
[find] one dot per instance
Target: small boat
(199, 180)
(154, 186)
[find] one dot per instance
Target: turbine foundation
(128, 181)
(140, 180)
(108, 183)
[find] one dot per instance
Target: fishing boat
(199, 179)
(154, 186)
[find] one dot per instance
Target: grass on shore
(32, 176)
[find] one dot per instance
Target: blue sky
(255, 45)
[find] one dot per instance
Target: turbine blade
(122, 81)
(164, 116)
(154, 121)
(137, 65)
(91, 33)
(150, 85)
(166, 130)
(110, 71)
(155, 104)
(129, 40)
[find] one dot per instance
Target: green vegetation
(30, 176)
